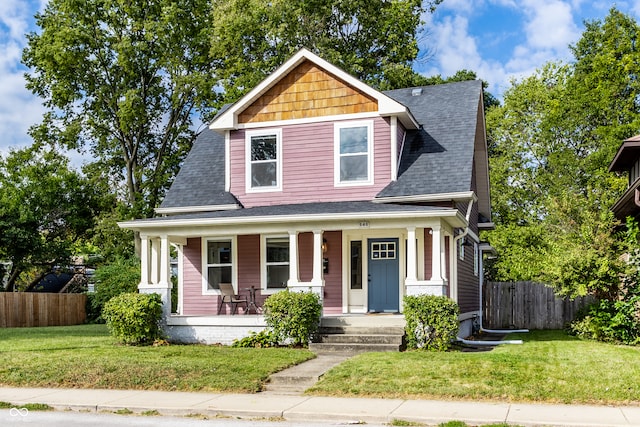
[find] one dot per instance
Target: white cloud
(19, 109)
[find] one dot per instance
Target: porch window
(264, 160)
(476, 259)
(356, 264)
(353, 153)
(277, 262)
(219, 268)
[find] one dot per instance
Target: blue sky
(498, 39)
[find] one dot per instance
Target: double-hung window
(276, 265)
(219, 262)
(264, 160)
(353, 153)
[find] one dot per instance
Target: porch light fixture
(325, 247)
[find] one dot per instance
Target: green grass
(549, 367)
(87, 356)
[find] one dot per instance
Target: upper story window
(264, 160)
(353, 153)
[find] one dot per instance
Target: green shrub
(123, 275)
(431, 322)
(293, 317)
(610, 321)
(134, 318)
(262, 339)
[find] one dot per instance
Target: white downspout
(472, 342)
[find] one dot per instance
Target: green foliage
(123, 80)
(262, 339)
(47, 210)
(374, 40)
(133, 318)
(293, 317)
(617, 318)
(121, 276)
(550, 146)
(432, 322)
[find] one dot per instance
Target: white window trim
(461, 248)
(263, 262)
(247, 142)
(336, 153)
(205, 264)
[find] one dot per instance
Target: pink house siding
(428, 253)
(305, 257)
(249, 265)
(194, 303)
(333, 279)
(308, 166)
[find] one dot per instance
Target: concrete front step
(362, 330)
(323, 347)
(361, 339)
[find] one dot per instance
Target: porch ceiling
(324, 214)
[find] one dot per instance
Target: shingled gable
(385, 105)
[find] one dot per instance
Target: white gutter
(193, 209)
(280, 219)
(461, 196)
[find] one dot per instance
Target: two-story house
(627, 159)
(316, 181)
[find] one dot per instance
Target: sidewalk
(330, 409)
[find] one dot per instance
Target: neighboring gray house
(314, 180)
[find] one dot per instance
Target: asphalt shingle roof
(438, 158)
(200, 181)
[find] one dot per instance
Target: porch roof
(303, 212)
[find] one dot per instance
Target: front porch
(225, 329)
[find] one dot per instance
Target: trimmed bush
(432, 322)
(293, 317)
(123, 275)
(133, 318)
(262, 339)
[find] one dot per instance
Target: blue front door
(383, 275)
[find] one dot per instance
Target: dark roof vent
(416, 92)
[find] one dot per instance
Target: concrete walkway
(296, 379)
(329, 409)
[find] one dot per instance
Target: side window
(353, 153)
(264, 160)
(276, 267)
(219, 263)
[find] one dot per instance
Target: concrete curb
(323, 409)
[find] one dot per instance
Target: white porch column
(293, 259)
(160, 265)
(155, 261)
(317, 258)
(412, 267)
(164, 261)
(144, 259)
(436, 285)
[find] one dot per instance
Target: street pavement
(301, 408)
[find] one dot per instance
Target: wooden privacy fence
(527, 305)
(24, 309)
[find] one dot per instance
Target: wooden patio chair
(228, 295)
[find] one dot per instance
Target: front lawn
(87, 357)
(549, 367)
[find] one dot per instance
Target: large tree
(550, 146)
(375, 40)
(46, 211)
(122, 81)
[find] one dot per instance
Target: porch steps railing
(347, 334)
